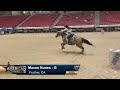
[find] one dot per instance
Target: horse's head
(58, 34)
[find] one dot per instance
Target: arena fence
(82, 28)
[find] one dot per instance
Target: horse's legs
(80, 46)
(82, 52)
(62, 44)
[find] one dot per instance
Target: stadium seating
(11, 21)
(112, 17)
(38, 20)
(74, 19)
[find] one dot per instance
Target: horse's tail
(87, 42)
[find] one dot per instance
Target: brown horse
(75, 40)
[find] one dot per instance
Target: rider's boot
(66, 40)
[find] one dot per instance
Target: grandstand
(40, 20)
(76, 19)
(54, 21)
(11, 21)
(112, 17)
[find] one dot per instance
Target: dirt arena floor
(44, 48)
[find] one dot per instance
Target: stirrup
(66, 42)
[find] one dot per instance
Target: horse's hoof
(63, 48)
(81, 52)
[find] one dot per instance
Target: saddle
(70, 36)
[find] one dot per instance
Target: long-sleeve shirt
(67, 31)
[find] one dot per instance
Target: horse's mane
(62, 32)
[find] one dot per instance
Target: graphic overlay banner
(52, 69)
